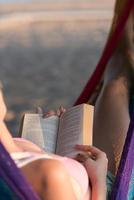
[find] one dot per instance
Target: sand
(47, 63)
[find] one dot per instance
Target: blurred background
(48, 50)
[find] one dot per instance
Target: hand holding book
(59, 131)
(50, 113)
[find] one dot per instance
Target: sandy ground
(47, 64)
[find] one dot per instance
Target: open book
(60, 134)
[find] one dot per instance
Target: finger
(94, 150)
(88, 163)
(50, 113)
(39, 110)
(58, 112)
(62, 109)
(82, 157)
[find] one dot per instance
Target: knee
(116, 87)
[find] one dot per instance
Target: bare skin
(52, 182)
(94, 167)
(110, 131)
(52, 176)
(112, 118)
(5, 136)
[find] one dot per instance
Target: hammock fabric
(6, 192)
(124, 185)
(123, 188)
(12, 180)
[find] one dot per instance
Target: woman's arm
(3, 108)
(6, 138)
(95, 162)
(99, 191)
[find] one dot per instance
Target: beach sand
(48, 63)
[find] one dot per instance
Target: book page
(75, 128)
(69, 131)
(41, 131)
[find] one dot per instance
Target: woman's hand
(95, 162)
(50, 113)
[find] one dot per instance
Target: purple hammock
(13, 177)
(123, 188)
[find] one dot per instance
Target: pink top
(76, 170)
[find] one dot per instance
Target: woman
(58, 177)
(63, 178)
